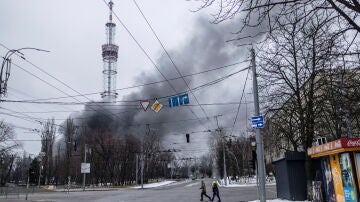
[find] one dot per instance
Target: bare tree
(294, 63)
(206, 165)
(68, 131)
(7, 134)
(7, 158)
(256, 12)
(47, 142)
(339, 116)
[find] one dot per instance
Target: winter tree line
(112, 156)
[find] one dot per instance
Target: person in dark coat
(203, 191)
(215, 189)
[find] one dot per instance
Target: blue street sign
(179, 100)
(257, 121)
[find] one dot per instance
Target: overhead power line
(161, 97)
(238, 109)
(145, 84)
(148, 56)
(48, 74)
(170, 58)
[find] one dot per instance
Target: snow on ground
(193, 184)
(156, 184)
(244, 182)
(244, 185)
(279, 200)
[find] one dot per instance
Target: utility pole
(171, 169)
(136, 168)
(84, 174)
(223, 147)
(6, 66)
(41, 155)
(39, 175)
(225, 174)
(142, 157)
(259, 138)
(27, 185)
(142, 169)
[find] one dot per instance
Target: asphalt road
(184, 192)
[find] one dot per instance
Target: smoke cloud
(206, 48)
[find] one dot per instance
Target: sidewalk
(88, 189)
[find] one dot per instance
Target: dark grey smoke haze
(205, 49)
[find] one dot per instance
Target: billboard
(347, 178)
(328, 180)
(358, 167)
(336, 175)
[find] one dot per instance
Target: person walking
(203, 191)
(215, 189)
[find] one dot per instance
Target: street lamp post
(41, 155)
(225, 174)
(28, 181)
(7, 63)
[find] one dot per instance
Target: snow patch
(279, 200)
(154, 185)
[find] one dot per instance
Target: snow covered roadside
(156, 184)
(279, 200)
(244, 185)
(244, 182)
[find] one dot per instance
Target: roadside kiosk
(340, 168)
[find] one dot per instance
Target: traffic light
(230, 143)
(253, 152)
(75, 146)
(188, 138)
(252, 164)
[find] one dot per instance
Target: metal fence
(17, 192)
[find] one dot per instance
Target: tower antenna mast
(110, 55)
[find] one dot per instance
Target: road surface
(181, 192)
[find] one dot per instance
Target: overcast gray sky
(75, 30)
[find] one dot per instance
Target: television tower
(110, 55)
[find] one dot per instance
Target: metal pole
(7, 61)
(39, 174)
(142, 163)
(84, 174)
(259, 138)
(237, 163)
(27, 185)
(223, 147)
(225, 174)
(142, 170)
(136, 169)
(171, 169)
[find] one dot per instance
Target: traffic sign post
(156, 106)
(145, 104)
(85, 168)
(179, 100)
(257, 121)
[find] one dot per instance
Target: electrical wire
(146, 84)
(170, 58)
(238, 109)
(148, 56)
(43, 71)
(205, 85)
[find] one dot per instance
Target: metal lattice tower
(110, 55)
